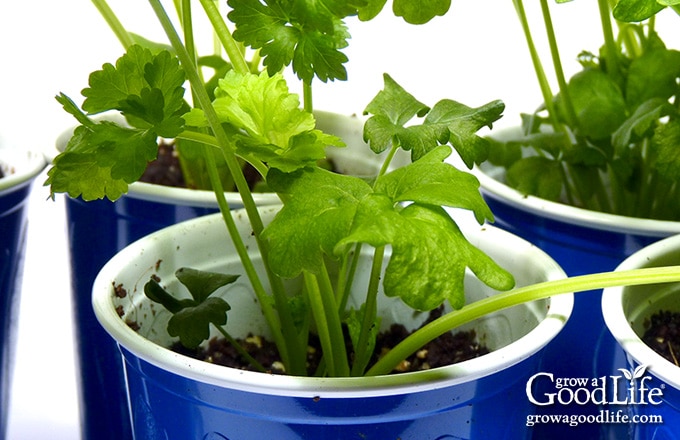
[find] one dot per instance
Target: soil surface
(448, 349)
(662, 334)
(166, 170)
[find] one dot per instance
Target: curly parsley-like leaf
(102, 158)
(307, 33)
(283, 135)
(146, 88)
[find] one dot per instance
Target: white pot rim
(618, 323)
(559, 311)
(570, 214)
(20, 167)
(185, 196)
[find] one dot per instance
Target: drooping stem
(515, 297)
(112, 20)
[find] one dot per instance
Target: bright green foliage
(342, 210)
(420, 11)
(268, 123)
(447, 122)
(606, 143)
(192, 317)
(102, 158)
(307, 33)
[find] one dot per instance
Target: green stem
(283, 331)
(362, 352)
(345, 287)
(611, 51)
(538, 67)
(112, 20)
(307, 96)
(324, 310)
(230, 45)
(570, 113)
(515, 297)
(208, 139)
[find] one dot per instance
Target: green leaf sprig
(608, 140)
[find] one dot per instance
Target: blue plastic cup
(581, 242)
(176, 397)
(20, 169)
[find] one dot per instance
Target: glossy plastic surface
(581, 242)
(625, 310)
(97, 230)
(14, 192)
(176, 397)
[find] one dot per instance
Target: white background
(474, 55)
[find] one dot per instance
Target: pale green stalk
(515, 297)
(118, 29)
(283, 331)
(230, 45)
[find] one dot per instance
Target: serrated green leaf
(395, 105)
(146, 88)
(420, 12)
(282, 135)
(101, 160)
(429, 253)
(113, 84)
(447, 122)
(192, 324)
(317, 214)
(202, 284)
(307, 33)
(430, 181)
(462, 123)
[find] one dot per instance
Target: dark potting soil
(662, 334)
(448, 349)
(166, 170)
